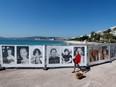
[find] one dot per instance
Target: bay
(32, 42)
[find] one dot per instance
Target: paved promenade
(99, 76)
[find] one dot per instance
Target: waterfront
(32, 42)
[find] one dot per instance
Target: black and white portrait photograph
(66, 54)
(80, 51)
(8, 54)
(115, 51)
(53, 55)
(112, 51)
(22, 55)
(36, 53)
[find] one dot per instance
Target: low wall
(101, 53)
(55, 55)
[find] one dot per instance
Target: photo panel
(66, 54)
(112, 51)
(98, 54)
(22, 54)
(94, 53)
(115, 50)
(104, 53)
(8, 55)
(36, 55)
(80, 51)
(53, 54)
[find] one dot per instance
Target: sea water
(32, 42)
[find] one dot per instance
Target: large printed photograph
(80, 51)
(94, 53)
(66, 54)
(112, 51)
(53, 54)
(8, 54)
(22, 55)
(98, 52)
(104, 53)
(36, 54)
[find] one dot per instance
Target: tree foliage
(106, 36)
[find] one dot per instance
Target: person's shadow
(86, 69)
(82, 77)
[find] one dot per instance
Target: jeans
(77, 65)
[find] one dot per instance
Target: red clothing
(77, 59)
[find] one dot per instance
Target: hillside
(107, 35)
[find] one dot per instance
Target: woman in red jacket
(76, 61)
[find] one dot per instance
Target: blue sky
(62, 18)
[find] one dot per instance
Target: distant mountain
(32, 38)
(111, 30)
(6, 38)
(3, 38)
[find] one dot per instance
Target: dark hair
(34, 52)
(66, 50)
(53, 49)
(75, 50)
(9, 49)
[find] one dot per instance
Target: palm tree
(107, 36)
(92, 35)
(97, 36)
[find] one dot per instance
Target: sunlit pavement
(99, 76)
